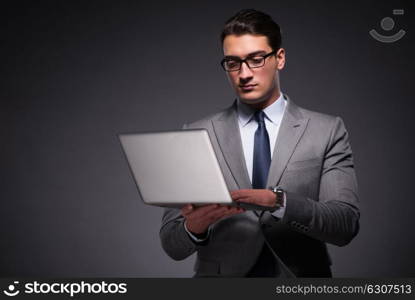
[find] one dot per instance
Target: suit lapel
(291, 130)
(228, 135)
(227, 132)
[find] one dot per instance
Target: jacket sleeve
(174, 238)
(334, 216)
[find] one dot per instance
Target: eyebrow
(249, 55)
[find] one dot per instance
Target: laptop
(174, 168)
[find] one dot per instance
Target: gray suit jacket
(313, 163)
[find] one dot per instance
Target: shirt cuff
(193, 237)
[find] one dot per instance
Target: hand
(198, 219)
(254, 196)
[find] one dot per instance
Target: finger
(253, 200)
(246, 199)
(236, 194)
(199, 212)
(242, 191)
(226, 211)
(235, 210)
(233, 192)
(188, 208)
(230, 212)
(222, 212)
(214, 215)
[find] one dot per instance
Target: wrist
(197, 238)
(194, 231)
(279, 196)
(201, 236)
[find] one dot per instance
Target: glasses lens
(231, 65)
(256, 61)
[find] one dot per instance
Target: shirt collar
(273, 112)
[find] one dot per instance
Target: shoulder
(319, 120)
(206, 121)
(316, 116)
(321, 128)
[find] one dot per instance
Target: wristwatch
(279, 197)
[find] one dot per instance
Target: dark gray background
(76, 73)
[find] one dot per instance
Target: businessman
(290, 170)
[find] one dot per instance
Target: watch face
(280, 196)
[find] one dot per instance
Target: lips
(247, 87)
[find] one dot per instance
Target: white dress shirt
(248, 126)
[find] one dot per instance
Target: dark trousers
(265, 266)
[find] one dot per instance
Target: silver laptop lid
(174, 168)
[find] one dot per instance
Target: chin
(251, 99)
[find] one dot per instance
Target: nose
(245, 73)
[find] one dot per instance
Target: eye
(256, 60)
(232, 63)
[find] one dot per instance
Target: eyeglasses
(230, 64)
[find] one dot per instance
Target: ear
(280, 55)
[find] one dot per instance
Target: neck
(269, 100)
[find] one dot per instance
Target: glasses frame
(241, 61)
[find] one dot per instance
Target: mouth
(247, 87)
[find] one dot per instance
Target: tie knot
(259, 116)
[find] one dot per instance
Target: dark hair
(251, 21)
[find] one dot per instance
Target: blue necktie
(262, 153)
(266, 265)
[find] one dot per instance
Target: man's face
(254, 85)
